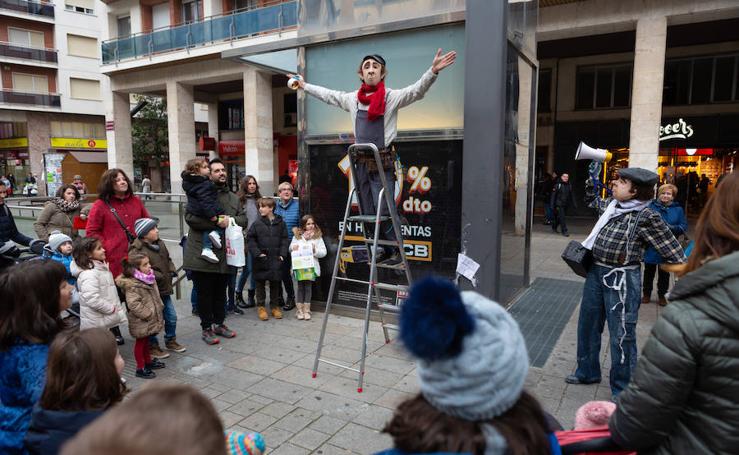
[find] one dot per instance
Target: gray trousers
(368, 190)
(303, 291)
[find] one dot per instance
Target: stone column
(646, 93)
(39, 132)
(213, 121)
(120, 149)
(258, 129)
(181, 126)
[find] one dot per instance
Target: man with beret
(374, 112)
(613, 285)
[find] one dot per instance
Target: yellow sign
(15, 142)
(77, 143)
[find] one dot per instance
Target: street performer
(374, 112)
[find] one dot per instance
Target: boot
(251, 302)
(289, 304)
(661, 300)
(646, 298)
(262, 313)
(299, 312)
(306, 311)
(276, 313)
(240, 300)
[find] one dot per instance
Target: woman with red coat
(115, 193)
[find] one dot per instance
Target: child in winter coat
(145, 310)
(268, 245)
(60, 247)
(99, 302)
(202, 201)
(82, 382)
(306, 237)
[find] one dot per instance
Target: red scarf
(376, 102)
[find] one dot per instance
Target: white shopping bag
(235, 254)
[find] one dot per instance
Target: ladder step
(398, 266)
(367, 218)
(389, 308)
(383, 242)
(391, 327)
(392, 287)
(352, 280)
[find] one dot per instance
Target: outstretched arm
(328, 96)
(416, 91)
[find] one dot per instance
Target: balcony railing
(24, 6)
(222, 28)
(29, 53)
(33, 99)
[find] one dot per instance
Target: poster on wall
(53, 171)
(428, 199)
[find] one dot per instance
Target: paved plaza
(261, 380)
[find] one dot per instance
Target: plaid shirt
(611, 243)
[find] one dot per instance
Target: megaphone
(586, 152)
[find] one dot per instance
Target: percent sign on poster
(421, 184)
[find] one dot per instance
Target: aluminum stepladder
(386, 198)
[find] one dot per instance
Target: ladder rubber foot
(314, 375)
(359, 390)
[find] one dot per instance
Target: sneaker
(145, 373)
(276, 313)
(209, 337)
(238, 310)
(225, 332)
(240, 300)
(262, 313)
(173, 345)
(289, 305)
(215, 237)
(566, 234)
(156, 352)
(208, 255)
(155, 365)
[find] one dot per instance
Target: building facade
(51, 109)
(653, 82)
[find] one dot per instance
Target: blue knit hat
(472, 359)
(142, 226)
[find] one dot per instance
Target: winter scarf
(146, 278)
(613, 210)
(376, 102)
(66, 206)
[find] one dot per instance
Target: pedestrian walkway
(261, 380)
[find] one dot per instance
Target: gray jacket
(192, 261)
(684, 395)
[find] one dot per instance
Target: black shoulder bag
(579, 258)
(129, 236)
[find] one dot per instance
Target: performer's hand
(300, 79)
(442, 61)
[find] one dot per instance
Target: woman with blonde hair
(684, 395)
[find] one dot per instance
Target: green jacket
(684, 395)
(192, 261)
(160, 261)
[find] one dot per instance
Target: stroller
(590, 441)
(11, 255)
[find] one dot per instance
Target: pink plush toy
(593, 414)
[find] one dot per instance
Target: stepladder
(381, 218)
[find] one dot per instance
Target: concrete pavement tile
(219, 404)
(230, 418)
(279, 390)
(301, 376)
(274, 436)
(258, 421)
(246, 407)
(309, 439)
(389, 364)
(392, 398)
(220, 387)
(278, 409)
(289, 449)
(328, 449)
(210, 392)
(323, 368)
(374, 417)
(581, 392)
(236, 379)
(281, 355)
(257, 365)
(260, 399)
(348, 388)
(297, 419)
(409, 384)
(232, 396)
(361, 439)
(328, 425)
(376, 376)
(332, 405)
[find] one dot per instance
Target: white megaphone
(586, 152)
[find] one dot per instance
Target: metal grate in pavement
(542, 313)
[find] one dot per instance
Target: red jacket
(102, 224)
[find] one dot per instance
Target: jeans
(548, 213)
(287, 277)
(194, 297)
(170, 322)
(245, 272)
(663, 280)
(211, 295)
(207, 242)
(600, 305)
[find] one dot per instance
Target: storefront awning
(90, 157)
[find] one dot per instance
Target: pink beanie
(593, 414)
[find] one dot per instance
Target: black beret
(375, 57)
(639, 176)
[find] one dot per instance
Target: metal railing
(37, 99)
(24, 6)
(222, 28)
(30, 53)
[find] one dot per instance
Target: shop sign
(14, 142)
(231, 148)
(678, 130)
(78, 143)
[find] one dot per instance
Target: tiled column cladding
(646, 95)
(258, 128)
(120, 150)
(180, 121)
(39, 132)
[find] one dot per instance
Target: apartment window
(30, 83)
(603, 87)
(544, 92)
(80, 6)
(290, 108)
(77, 129)
(160, 15)
(26, 38)
(82, 46)
(701, 80)
(191, 11)
(246, 4)
(231, 115)
(124, 25)
(84, 89)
